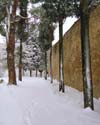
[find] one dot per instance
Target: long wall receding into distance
(72, 54)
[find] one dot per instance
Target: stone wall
(72, 54)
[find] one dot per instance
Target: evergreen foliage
(22, 24)
(44, 34)
(58, 9)
(32, 57)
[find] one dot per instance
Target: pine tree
(11, 42)
(44, 38)
(57, 11)
(22, 32)
(8, 17)
(84, 9)
(33, 55)
(51, 37)
(86, 58)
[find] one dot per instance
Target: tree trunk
(22, 26)
(51, 37)
(40, 74)
(40, 71)
(61, 65)
(11, 46)
(20, 61)
(23, 71)
(86, 58)
(45, 65)
(51, 75)
(30, 73)
(36, 71)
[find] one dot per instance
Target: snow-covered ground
(2, 39)
(37, 102)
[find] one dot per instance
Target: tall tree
(86, 57)
(32, 57)
(43, 34)
(44, 38)
(11, 41)
(22, 32)
(51, 37)
(58, 10)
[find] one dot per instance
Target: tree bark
(40, 74)
(45, 65)
(36, 71)
(20, 61)
(23, 71)
(51, 74)
(86, 57)
(61, 63)
(51, 37)
(30, 73)
(22, 27)
(11, 46)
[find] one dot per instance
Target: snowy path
(8, 106)
(37, 102)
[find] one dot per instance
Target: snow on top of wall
(66, 26)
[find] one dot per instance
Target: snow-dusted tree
(11, 41)
(44, 39)
(84, 9)
(57, 11)
(86, 58)
(33, 55)
(9, 15)
(22, 32)
(51, 37)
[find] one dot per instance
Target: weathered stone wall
(72, 54)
